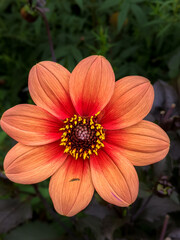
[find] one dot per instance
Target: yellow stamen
(85, 131)
(91, 121)
(97, 114)
(67, 149)
(89, 152)
(64, 139)
(61, 129)
(95, 151)
(84, 155)
(98, 146)
(62, 144)
(66, 120)
(79, 119)
(98, 126)
(98, 134)
(98, 141)
(102, 137)
(74, 151)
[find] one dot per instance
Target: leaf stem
(141, 209)
(164, 228)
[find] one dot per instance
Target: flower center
(82, 136)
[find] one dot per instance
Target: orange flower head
(86, 132)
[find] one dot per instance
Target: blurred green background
(138, 37)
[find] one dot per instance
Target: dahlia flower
(85, 132)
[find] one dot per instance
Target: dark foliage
(138, 37)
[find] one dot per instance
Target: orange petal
(131, 102)
(49, 88)
(114, 177)
(144, 143)
(31, 125)
(71, 187)
(29, 165)
(91, 85)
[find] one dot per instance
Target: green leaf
(96, 209)
(128, 52)
(12, 213)
(38, 25)
(2, 136)
(137, 1)
(164, 30)
(161, 168)
(91, 222)
(4, 4)
(61, 51)
(174, 197)
(6, 188)
(158, 207)
(80, 4)
(3, 94)
(139, 14)
(122, 15)
(70, 62)
(34, 231)
(144, 191)
(110, 224)
(153, 22)
(174, 64)
(76, 53)
(108, 4)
